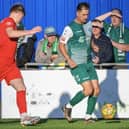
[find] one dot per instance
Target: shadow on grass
(113, 121)
(9, 121)
(73, 121)
(43, 121)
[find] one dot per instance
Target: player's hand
(37, 29)
(71, 63)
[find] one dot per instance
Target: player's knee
(19, 87)
(97, 91)
(88, 92)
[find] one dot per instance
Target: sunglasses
(96, 27)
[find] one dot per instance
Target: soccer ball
(108, 111)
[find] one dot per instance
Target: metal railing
(112, 65)
(98, 66)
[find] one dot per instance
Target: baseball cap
(50, 31)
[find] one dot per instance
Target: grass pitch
(63, 124)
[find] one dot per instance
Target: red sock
(21, 101)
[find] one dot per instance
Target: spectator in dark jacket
(101, 45)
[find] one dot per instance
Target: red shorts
(11, 73)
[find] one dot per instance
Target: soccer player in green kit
(77, 54)
(118, 33)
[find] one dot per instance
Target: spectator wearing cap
(118, 33)
(102, 50)
(47, 51)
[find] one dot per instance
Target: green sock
(91, 104)
(77, 98)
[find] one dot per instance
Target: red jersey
(7, 46)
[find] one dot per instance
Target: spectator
(20, 26)
(117, 32)
(25, 47)
(47, 51)
(25, 51)
(101, 44)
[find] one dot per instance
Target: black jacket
(105, 53)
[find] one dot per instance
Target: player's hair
(17, 8)
(83, 5)
(118, 10)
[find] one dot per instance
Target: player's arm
(63, 50)
(123, 47)
(67, 34)
(18, 33)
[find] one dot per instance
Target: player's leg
(96, 90)
(87, 90)
(92, 100)
(14, 78)
(75, 100)
(80, 77)
(19, 86)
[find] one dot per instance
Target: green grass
(63, 124)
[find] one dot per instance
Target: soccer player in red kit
(8, 69)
